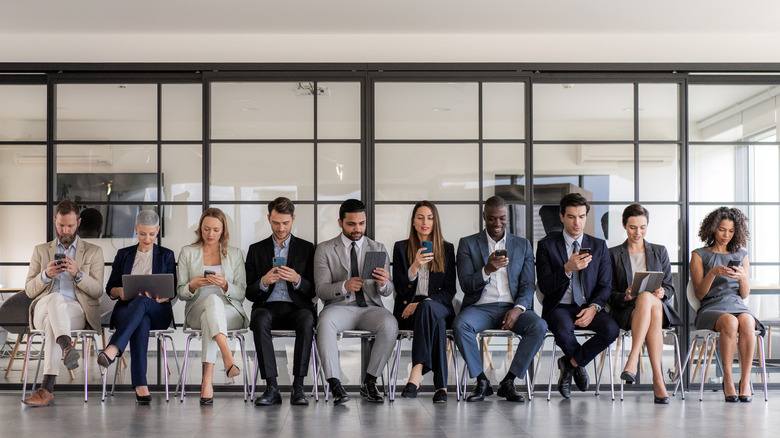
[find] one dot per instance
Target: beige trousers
(56, 316)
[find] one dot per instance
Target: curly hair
(713, 220)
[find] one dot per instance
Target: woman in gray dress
(721, 280)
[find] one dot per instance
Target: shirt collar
(503, 239)
(286, 242)
(348, 243)
(570, 240)
(72, 245)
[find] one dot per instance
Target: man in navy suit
(498, 293)
(576, 285)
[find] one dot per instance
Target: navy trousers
(561, 322)
(429, 344)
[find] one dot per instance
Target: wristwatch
(598, 308)
(78, 277)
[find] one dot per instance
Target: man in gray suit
(351, 302)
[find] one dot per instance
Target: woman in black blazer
(133, 319)
(424, 292)
(648, 312)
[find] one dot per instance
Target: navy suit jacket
(260, 260)
(596, 278)
(441, 285)
(473, 252)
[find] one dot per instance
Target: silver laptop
(158, 286)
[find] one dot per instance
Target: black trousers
(429, 344)
(281, 315)
(560, 321)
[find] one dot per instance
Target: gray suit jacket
(331, 271)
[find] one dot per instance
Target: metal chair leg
(314, 371)
(457, 377)
(552, 366)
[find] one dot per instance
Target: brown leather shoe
(41, 397)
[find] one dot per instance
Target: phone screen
(584, 250)
(500, 253)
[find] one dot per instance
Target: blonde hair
(223, 239)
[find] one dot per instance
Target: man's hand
(271, 277)
(577, 262)
(289, 275)
(510, 318)
(585, 317)
(70, 266)
(495, 263)
(381, 275)
(354, 284)
(53, 269)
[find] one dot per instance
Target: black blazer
(441, 285)
(656, 259)
(260, 260)
(596, 278)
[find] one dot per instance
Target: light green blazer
(191, 266)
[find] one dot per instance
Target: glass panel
(262, 171)
(764, 178)
(427, 110)
(263, 110)
(327, 222)
(338, 110)
(658, 111)
(764, 233)
(179, 224)
(583, 111)
(111, 227)
(249, 223)
(107, 112)
(107, 172)
(503, 110)
(730, 112)
(437, 171)
(182, 111)
(28, 223)
(338, 171)
(697, 213)
(181, 171)
(765, 306)
(606, 171)
(392, 222)
(659, 172)
(503, 170)
(22, 112)
(22, 173)
(713, 173)
(13, 277)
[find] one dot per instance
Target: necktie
(353, 261)
(576, 287)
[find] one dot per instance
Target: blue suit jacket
(596, 278)
(472, 256)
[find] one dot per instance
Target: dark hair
(351, 206)
(414, 244)
(573, 200)
(635, 210)
(495, 201)
(65, 207)
(91, 223)
(282, 205)
(713, 220)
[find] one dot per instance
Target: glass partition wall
(679, 144)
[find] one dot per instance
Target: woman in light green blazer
(212, 281)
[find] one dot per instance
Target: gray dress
(723, 296)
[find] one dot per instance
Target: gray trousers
(335, 319)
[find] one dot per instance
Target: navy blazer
(441, 285)
(553, 282)
(656, 259)
(260, 260)
(473, 252)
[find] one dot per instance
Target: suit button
(409, 286)
(439, 289)
(404, 302)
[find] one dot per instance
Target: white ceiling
(387, 17)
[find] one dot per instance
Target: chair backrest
(694, 302)
(15, 313)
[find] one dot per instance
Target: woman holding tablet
(720, 273)
(212, 279)
(644, 313)
(424, 280)
(133, 319)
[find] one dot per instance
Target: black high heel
(729, 398)
(143, 400)
(103, 360)
(745, 398)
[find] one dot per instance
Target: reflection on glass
(583, 111)
(713, 173)
(25, 227)
(659, 172)
(392, 222)
(658, 111)
(764, 179)
(503, 167)
(410, 172)
(182, 175)
(503, 110)
(730, 112)
(262, 171)
(22, 173)
(663, 229)
(22, 112)
(426, 110)
(338, 110)
(262, 110)
(327, 221)
(338, 171)
(764, 233)
(180, 223)
(182, 112)
(249, 223)
(107, 112)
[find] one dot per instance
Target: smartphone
(279, 261)
(584, 251)
(206, 273)
(500, 253)
(60, 257)
(428, 245)
(734, 263)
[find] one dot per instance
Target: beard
(66, 239)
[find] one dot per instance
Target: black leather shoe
(481, 390)
(298, 396)
(507, 390)
(729, 398)
(70, 356)
(340, 395)
(207, 401)
(440, 396)
(660, 400)
(369, 391)
(143, 400)
(628, 377)
(564, 379)
(581, 379)
(271, 396)
(410, 391)
(103, 360)
(744, 398)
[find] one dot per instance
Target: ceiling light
(441, 110)
(567, 86)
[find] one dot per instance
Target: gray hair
(147, 217)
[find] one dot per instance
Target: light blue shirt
(63, 282)
(281, 291)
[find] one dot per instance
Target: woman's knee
(727, 324)
(747, 324)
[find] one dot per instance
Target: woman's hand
(628, 296)
(198, 282)
(420, 260)
(218, 280)
(159, 300)
(116, 292)
(721, 271)
(738, 273)
(409, 310)
(659, 293)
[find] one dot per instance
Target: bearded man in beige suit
(65, 281)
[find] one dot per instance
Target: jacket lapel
(79, 254)
(625, 260)
(130, 259)
(338, 248)
(650, 259)
(484, 250)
